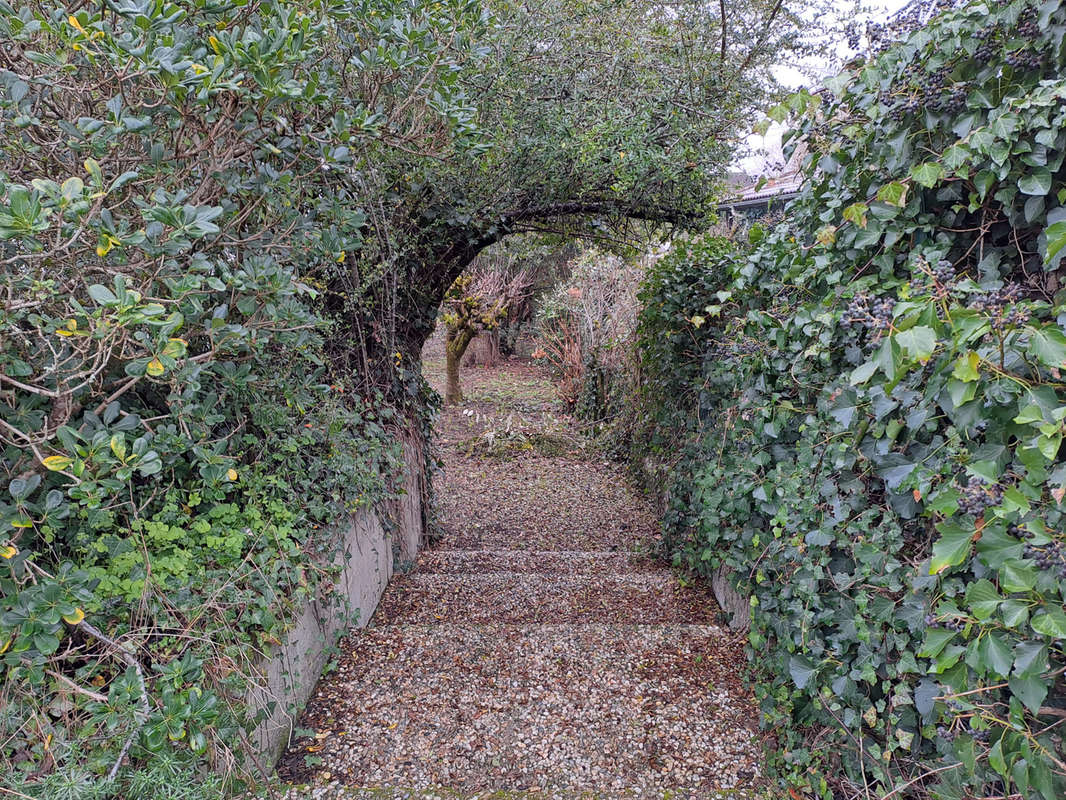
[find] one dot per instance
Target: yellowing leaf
(214, 44)
(8, 552)
(57, 463)
(966, 367)
(106, 243)
(856, 213)
(175, 348)
(231, 474)
(155, 367)
(75, 618)
(342, 256)
(75, 24)
(894, 193)
(92, 166)
(5, 645)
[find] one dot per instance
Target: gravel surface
(522, 597)
(536, 651)
(559, 562)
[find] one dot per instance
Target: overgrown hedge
(175, 445)
(880, 404)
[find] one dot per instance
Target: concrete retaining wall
(367, 557)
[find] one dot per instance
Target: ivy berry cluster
(874, 314)
(990, 45)
(978, 495)
(1049, 557)
(1000, 305)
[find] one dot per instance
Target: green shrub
(175, 444)
(880, 419)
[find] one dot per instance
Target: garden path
(535, 650)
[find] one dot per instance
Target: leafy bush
(585, 328)
(175, 443)
(880, 415)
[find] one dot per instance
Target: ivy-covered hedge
(880, 400)
(174, 445)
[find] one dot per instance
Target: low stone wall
(366, 557)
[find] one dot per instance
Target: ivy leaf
(983, 599)
(951, 548)
(998, 655)
(928, 174)
(1030, 658)
(966, 367)
(1014, 613)
(826, 235)
(917, 342)
(1051, 623)
(925, 695)
(895, 194)
(995, 758)
(895, 468)
(1031, 691)
(802, 670)
(863, 373)
(1017, 576)
(1036, 182)
(856, 213)
(1048, 344)
(1056, 240)
(843, 410)
(936, 639)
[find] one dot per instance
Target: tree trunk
(492, 348)
(455, 344)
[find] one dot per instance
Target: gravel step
(525, 597)
(546, 561)
(339, 792)
(541, 504)
(613, 710)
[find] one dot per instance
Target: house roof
(780, 188)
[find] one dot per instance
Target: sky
(766, 149)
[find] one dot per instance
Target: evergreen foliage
(878, 392)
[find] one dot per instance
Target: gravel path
(535, 651)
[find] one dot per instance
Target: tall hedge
(881, 404)
(174, 443)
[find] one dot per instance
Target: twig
(123, 655)
(922, 777)
(13, 793)
(99, 698)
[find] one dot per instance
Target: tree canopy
(591, 113)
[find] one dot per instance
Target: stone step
(528, 597)
(447, 561)
(569, 708)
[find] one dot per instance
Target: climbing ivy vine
(878, 384)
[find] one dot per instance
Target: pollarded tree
(479, 300)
